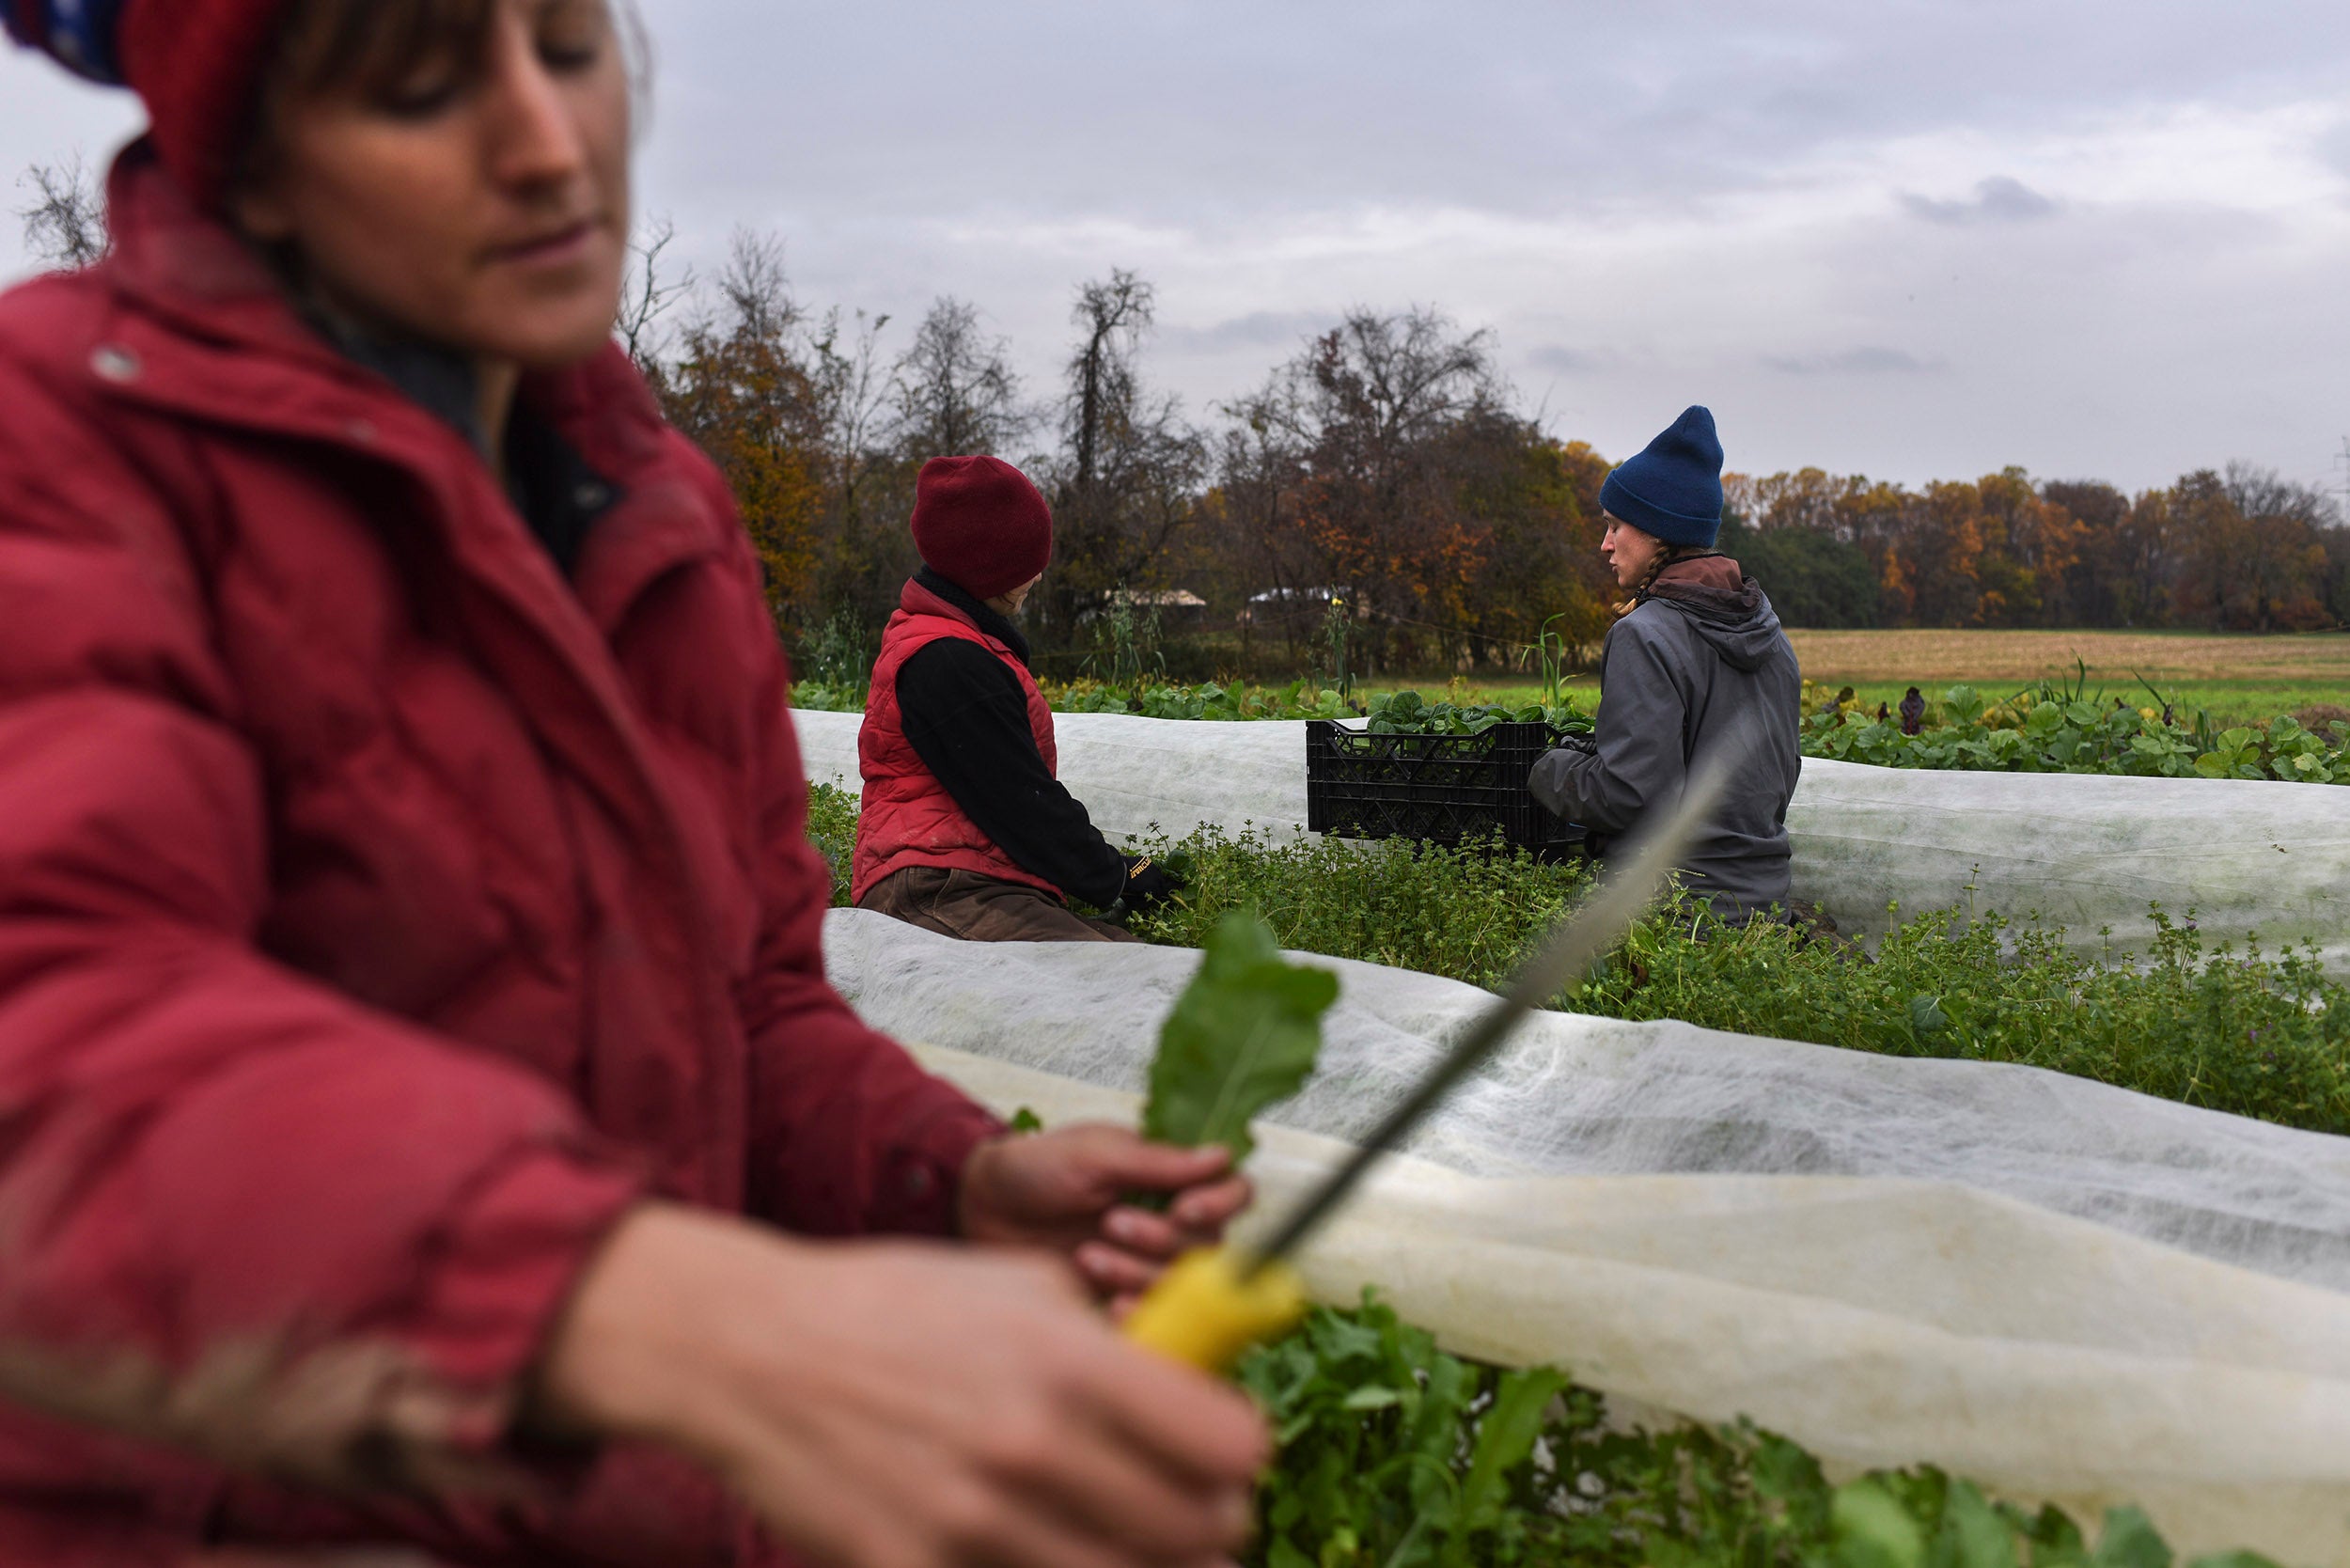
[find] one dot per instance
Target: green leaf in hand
(1243, 1035)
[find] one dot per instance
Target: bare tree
(1132, 469)
(740, 385)
(853, 389)
(1393, 412)
(867, 553)
(647, 296)
(1114, 316)
(955, 390)
(757, 288)
(66, 225)
(2281, 555)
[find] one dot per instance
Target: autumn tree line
(1382, 478)
(1383, 485)
(1380, 501)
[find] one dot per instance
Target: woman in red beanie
(423, 1118)
(967, 829)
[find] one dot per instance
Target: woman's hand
(902, 1406)
(1063, 1190)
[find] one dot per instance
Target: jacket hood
(1729, 608)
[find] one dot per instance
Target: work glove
(1148, 883)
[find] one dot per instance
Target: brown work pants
(982, 908)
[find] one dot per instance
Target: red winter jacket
(380, 915)
(908, 818)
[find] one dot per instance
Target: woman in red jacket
(423, 1117)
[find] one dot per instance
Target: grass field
(2238, 679)
(2234, 677)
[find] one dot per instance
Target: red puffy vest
(908, 818)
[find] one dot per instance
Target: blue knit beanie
(1674, 488)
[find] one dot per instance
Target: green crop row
(2253, 1033)
(2049, 732)
(2046, 729)
(1394, 1454)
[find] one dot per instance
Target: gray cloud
(1998, 200)
(2333, 148)
(1702, 185)
(1277, 330)
(1866, 361)
(1560, 360)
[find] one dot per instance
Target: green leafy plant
(1243, 1035)
(1394, 1454)
(832, 828)
(1406, 712)
(2056, 729)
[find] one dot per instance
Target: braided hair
(1672, 554)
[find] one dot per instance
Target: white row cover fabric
(2066, 1292)
(2079, 850)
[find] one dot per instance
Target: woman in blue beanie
(1696, 656)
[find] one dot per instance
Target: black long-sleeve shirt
(966, 717)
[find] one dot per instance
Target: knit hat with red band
(198, 64)
(980, 524)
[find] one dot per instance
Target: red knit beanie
(980, 524)
(197, 63)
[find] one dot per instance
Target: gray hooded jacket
(1676, 673)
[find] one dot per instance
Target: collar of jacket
(1711, 583)
(937, 596)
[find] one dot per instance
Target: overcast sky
(2097, 238)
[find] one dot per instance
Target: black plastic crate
(1444, 789)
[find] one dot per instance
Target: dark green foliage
(1815, 580)
(832, 828)
(1409, 713)
(1394, 1454)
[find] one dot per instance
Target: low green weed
(1467, 912)
(1394, 1454)
(2244, 1033)
(832, 828)
(2250, 1033)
